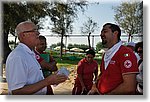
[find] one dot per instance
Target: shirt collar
(84, 59)
(26, 48)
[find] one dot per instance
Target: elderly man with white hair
(23, 72)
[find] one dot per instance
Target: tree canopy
(62, 16)
(89, 27)
(16, 12)
(129, 16)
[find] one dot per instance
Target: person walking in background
(139, 77)
(46, 61)
(118, 68)
(87, 72)
(131, 45)
(23, 72)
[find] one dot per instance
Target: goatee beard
(104, 42)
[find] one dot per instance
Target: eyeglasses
(35, 30)
(35, 33)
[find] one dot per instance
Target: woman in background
(87, 72)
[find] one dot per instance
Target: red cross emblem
(127, 64)
(37, 57)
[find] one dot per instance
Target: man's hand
(93, 90)
(55, 79)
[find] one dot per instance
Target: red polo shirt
(38, 57)
(86, 69)
(123, 62)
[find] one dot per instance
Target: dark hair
(42, 37)
(114, 28)
(90, 51)
(137, 45)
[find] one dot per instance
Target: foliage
(89, 27)
(55, 45)
(62, 17)
(81, 46)
(11, 42)
(99, 46)
(16, 12)
(129, 16)
(65, 60)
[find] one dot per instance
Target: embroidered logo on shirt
(112, 62)
(37, 57)
(127, 64)
(126, 55)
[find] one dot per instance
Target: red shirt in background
(86, 70)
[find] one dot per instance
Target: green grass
(68, 63)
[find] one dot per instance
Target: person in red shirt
(48, 66)
(118, 68)
(40, 50)
(87, 72)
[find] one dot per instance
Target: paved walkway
(3, 88)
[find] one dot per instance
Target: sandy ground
(64, 88)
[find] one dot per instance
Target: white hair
(21, 27)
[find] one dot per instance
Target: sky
(121, 98)
(101, 14)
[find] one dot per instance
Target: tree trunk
(6, 49)
(129, 37)
(93, 41)
(15, 41)
(89, 40)
(61, 48)
(65, 45)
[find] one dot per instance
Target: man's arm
(49, 65)
(33, 88)
(94, 87)
(127, 87)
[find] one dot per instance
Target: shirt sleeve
(16, 73)
(128, 63)
(80, 67)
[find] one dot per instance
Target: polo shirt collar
(85, 60)
(26, 48)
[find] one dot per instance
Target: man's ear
(116, 33)
(21, 36)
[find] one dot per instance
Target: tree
(62, 17)
(16, 12)
(99, 46)
(89, 27)
(84, 47)
(81, 46)
(129, 16)
(70, 46)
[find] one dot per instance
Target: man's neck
(38, 51)
(112, 44)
